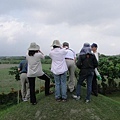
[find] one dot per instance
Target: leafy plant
(14, 71)
(109, 68)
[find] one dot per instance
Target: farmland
(7, 81)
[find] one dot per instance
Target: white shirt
(59, 65)
(96, 55)
(34, 65)
(70, 54)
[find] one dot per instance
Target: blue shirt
(23, 66)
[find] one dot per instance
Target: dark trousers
(89, 78)
(95, 85)
(32, 86)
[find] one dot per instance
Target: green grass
(7, 81)
(100, 108)
(115, 96)
(46, 66)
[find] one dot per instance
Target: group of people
(63, 61)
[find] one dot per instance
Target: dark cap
(66, 44)
(94, 45)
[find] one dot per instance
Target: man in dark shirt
(86, 63)
(22, 68)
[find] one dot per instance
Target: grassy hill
(100, 108)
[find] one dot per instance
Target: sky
(72, 21)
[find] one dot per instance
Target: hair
(66, 44)
(56, 46)
(32, 52)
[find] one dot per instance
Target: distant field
(7, 81)
(3, 66)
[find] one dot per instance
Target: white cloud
(42, 21)
(113, 45)
(10, 28)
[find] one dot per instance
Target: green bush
(109, 68)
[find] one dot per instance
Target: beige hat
(56, 43)
(34, 46)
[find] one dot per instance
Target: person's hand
(41, 52)
(99, 77)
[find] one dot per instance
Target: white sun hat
(34, 46)
(56, 43)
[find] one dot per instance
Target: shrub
(109, 68)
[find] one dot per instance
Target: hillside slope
(100, 108)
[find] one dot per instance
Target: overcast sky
(74, 21)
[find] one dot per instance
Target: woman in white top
(59, 68)
(35, 70)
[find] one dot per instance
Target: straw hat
(34, 46)
(56, 43)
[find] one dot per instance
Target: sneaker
(87, 101)
(34, 103)
(58, 99)
(71, 91)
(76, 97)
(25, 99)
(50, 93)
(95, 94)
(64, 100)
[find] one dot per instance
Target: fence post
(18, 97)
(39, 85)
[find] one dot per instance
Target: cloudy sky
(74, 21)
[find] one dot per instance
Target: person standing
(35, 70)
(94, 47)
(70, 60)
(25, 91)
(59, 69)
(86, 63)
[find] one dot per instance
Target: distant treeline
(47, 60)
(17, 59)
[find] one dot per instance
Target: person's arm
(41, 52)
(79, 62)
(95, 62)
(96, 55)
(74, 57)
(20, 67)
(41, 55)
(64, 51)
(50, 55)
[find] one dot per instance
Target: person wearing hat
(86, 63)
(70, 60)
(35, 70)
(59, 70)
(94, 47)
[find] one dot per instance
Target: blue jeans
(60, 86)
(89, 78)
